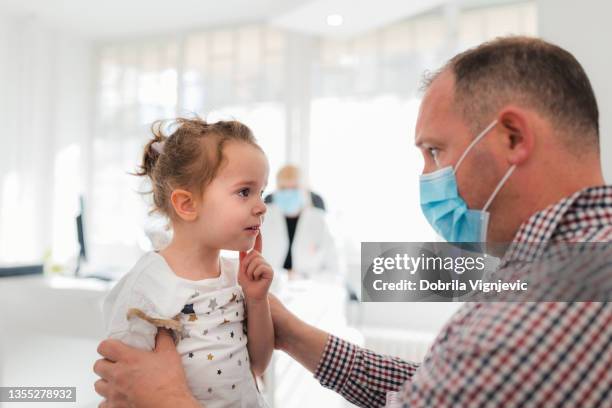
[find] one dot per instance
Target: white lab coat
(313, 252)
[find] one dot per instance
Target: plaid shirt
(534, 354)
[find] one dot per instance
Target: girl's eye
(244, 192)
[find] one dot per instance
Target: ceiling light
(335, 20)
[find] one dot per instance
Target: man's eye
(244, 192)
(433, 152)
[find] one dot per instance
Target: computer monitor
(80, 224)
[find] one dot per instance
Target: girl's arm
(255, 276)
(260, 334)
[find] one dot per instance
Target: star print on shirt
(218, 372)
(188, 309)
(190, 355)
(232, 335)
(210, 356)
(234, 296)
(195, 294)
(212, 304)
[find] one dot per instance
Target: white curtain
(44, 83)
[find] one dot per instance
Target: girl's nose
(260, 208)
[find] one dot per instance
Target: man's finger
(258, 243)
(104, 369)
(111, 349)
(101, 387)
(164, 340)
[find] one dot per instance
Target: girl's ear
(184, 205)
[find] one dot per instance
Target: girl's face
(232, 208)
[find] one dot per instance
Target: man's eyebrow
(424, 140)
(419, 142)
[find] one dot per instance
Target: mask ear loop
(476, 140)
(499, 186)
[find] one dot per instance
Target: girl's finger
(252, 266)
(258, 243)
(263, 271)
(245, 261)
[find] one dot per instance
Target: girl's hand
(255, 274)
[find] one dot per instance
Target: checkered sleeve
(362, 377)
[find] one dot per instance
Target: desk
(50, 331)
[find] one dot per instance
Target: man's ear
(519, 137)
(184, 205)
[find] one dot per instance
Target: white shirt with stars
(212, 339)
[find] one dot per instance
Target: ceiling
(118, 19)
(107, 19)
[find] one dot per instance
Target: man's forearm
(182, 402)
(304, 343)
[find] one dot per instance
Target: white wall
(584, 29)
(45, 82)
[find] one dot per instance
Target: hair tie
(158, 147)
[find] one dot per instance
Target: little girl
(208, 179)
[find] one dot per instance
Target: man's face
(442, 135)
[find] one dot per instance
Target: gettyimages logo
(442, 272)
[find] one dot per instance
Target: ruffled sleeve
(144, 300)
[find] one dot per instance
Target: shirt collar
(556, 221)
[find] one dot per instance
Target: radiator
(405, 344)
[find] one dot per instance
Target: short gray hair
(529, 72)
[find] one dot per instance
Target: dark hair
(189, 157)
(530, 72)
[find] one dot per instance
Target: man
(537, 170)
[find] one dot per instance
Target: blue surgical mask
(290, 200)
(446, 211)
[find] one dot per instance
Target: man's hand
(136, 378)
(295, 337)
(255, 274)
(282, 320)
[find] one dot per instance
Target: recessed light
(335, 20)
